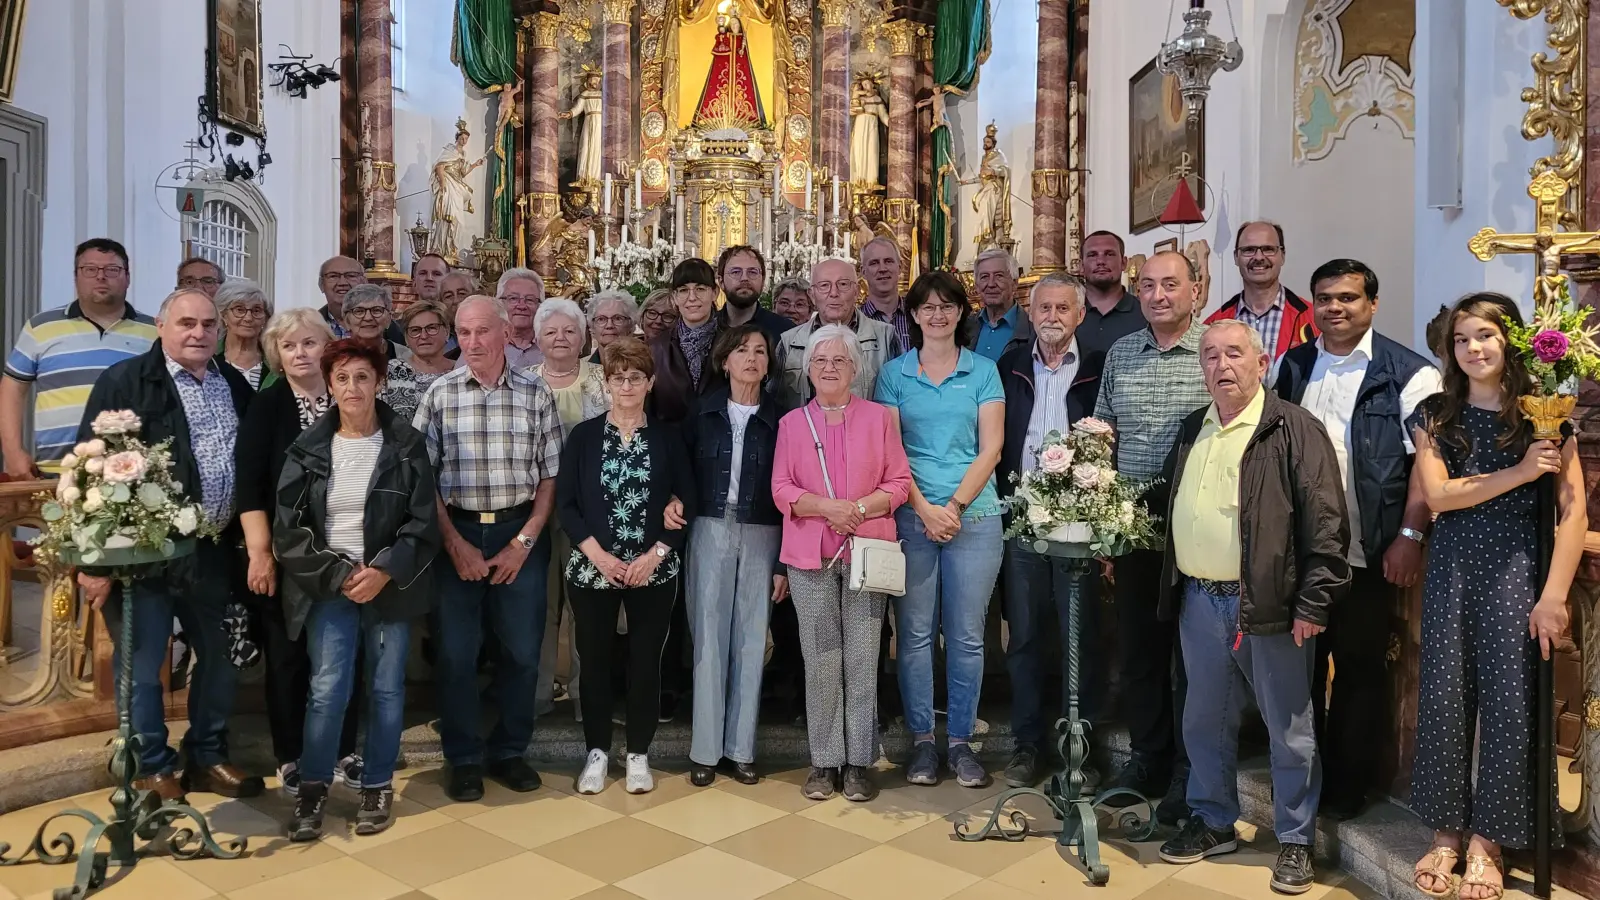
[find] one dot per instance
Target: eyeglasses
(97, 271)
(836, 363)
(519, 299)
(247, 312)
(613, 321)
(344, 276)
(834, 287)
(631, 381)
(189, 281)
(424, 330)
(653, 315)
(366, 313)
(1265, 252)
(939, 309)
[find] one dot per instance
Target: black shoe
(1024, 766)
(307, 822)
(668, 708)
(466, 784)
(377, 810)
(819, 784)
(1174, 807)
(1293, 873)
(1343, 809)
(858, 786)
(745, 773)
(1137, 775)
(701, 776)
(1196, 842)
(515, 773)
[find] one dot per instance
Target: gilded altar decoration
(1558, 347)
(730, 98)
(992, 203)
(452, 196)
(1556, 101)
(868, 116)
(588, 109)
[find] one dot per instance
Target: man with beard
(880, 269)
(742, 275)
(1112, 311)
(1002, 326)
(1279, 315)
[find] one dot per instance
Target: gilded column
(544, 83)
(617, 88)
(924, 127)
(376, 93)
(1050, 138)
(900, 212)
(834, 133)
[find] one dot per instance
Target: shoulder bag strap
(821, 460)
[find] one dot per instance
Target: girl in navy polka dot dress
(1484, 620)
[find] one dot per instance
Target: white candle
(791, 229)
(678, 226)
(591, 246)
(777, 179)
(655, 233)
(847, 243)
(819, 235)
(808, 189)
(624, 232)
(638, 189)
(836, 196)
(605, 195)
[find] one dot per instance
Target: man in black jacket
(1257, 529)
(1048, 386)
(179, 392)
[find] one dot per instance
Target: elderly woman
(244, 309)
(950, 409)
(791, 298)
(368, 311)
(658, 314)
(293, 342)
(576, 382)
(839, 470)
(733, 552)
(427, 329)
(612, 314)
(618, 473)
(356, 529)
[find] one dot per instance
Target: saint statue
(868, 113)
(452, 196)
(589, 107)
(992, 202)
(729, 99)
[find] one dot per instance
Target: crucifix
(1548, 244)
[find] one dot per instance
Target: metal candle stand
(1080, 827)
(136, 813)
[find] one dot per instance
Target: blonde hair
(287, 322)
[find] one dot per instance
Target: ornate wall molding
(618, 12)
(1340, 81)
(1556, 100)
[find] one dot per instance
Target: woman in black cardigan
(618, 473)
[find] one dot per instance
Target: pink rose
(1086, 476)
(116, 421)
(1093, 426)
(1550, 345)
(1055, 460)
(125, 467)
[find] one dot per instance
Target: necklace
(827, 408)
(567, 374)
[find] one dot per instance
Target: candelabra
(1196, 54)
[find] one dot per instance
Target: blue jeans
(199, 608)
(334, 632)
(516, 612)
(947, 589)
(1279, 673)
(1035, 598)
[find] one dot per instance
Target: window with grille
(222, 234)
(397, 45)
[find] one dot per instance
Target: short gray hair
(168, 300)
(797, 283)
(1077, 285)
(560, 306)
(614, 297)
(286, 323)
(364, 292)
(495, 304)
(1255, 336)
(834, 332)
(882, 239)
(518, 274)
(1012, 267)
(239, 290)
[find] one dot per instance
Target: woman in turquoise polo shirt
(951, 411)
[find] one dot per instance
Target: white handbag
(876, 567)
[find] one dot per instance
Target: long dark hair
(1443, 419)
(946, 287)
(731, 339)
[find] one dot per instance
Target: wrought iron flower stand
(136, 814)
(1080, 828)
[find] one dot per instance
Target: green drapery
(486, 49)
(960, 44)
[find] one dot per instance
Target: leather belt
(1218, 588)
(519, 513)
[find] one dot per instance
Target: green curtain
(960, 44)
(486, 49)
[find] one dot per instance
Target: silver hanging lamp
(1196, 54)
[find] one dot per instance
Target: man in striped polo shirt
(62, 351)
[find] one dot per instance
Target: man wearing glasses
(1278, 314)
(521, 290)
(200, 274)
(835, 287)
(61, 352)
(335, 279)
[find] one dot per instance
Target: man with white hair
(521, 290)
(1257, 539)
(1001, 326)
(834, 290)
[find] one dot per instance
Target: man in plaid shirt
(494, 438)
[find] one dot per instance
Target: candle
(791, 229)
(836, 196)
(638, 190)
(777, 179)
(605, 195)
(819, 235)
(808, 189)
(591, 246)
(847, 243)
(655, 233)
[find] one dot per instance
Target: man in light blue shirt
(1001, 326)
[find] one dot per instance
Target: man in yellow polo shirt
(1259, 541)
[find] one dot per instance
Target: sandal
(1477, 865)
(1440, 863)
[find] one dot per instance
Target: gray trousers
(729, 599)
(839, 634)
(558, 633)
(1279, 673)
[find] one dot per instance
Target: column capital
(544, 26)
(835, 13)
(618, 12)
(902, 34)
(925, 43)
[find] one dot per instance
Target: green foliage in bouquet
(1558, 344)
(1075, 482)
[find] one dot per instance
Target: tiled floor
(727, 842)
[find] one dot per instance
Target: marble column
(376, 92)
(1050, 138)
(924, 128)
(834, 119)
(900, 210)
(544, 88)
(617, 89)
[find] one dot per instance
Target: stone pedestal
(617, 87)
(834, 119)
(542, 203)
(900, 211)
(1051, 138)
(375, 90)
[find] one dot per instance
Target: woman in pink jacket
(866, 478)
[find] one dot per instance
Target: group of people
(528, 467)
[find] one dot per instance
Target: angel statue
(589, 107)
(992, 202)
(452, 196)
(867, 114)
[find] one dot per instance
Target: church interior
(597, 142)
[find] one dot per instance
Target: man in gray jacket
(835, 288)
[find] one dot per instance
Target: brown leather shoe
(223, 779)
(165, 786)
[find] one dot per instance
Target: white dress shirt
(1050, 387)
(1331, 396)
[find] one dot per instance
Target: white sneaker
(640, 781)
(289, 778)
(593, 779)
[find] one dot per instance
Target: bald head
(1169, 288)
(335, 279)
(834, 290)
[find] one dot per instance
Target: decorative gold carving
(902, 35)
(654, 124)
(1050, 182)
(545, 26)
(835, 13)
(900, 210)
(1556, 101)
(925, 45)
(618, 12)
(1591, 711)
(543, 204)
(1549, 192)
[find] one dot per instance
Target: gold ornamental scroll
(1556, 101)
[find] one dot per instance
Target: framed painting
(12, 14)
(233, 56)
(1160, 140)
(1166, 245)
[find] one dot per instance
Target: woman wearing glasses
(244, 309)
(659, 314)
(612, 314)
(368, 313)
(426, 336)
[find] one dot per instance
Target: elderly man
(201, 274)
(182, 394)
(834, 289)
(1150, 382)
(368, 313)
(1001, 326)
(427, 276)
(791, 298)
(1283, 320)
(453, 288)
(521, 290)
(880, 269)
(1113, 311)
(1258, 538)
(494, 438)
(61, 352)
(1363, 387)
(742, 276)
(1048, 386)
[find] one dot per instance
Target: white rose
(1086, 476)
(95, 465)
(95, 447)
(1038, 515)
(93, 500)
(186, 520)
(69, 461)
(151, 495)
(70, 494)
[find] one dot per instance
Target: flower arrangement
(1557, 345)
(792, 259)
(1076, 496)
(115, 493)
(635, 268)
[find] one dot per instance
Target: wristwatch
(861, 508)
(526, 542)
(1415, 535)
(961, 508)
(661, 550)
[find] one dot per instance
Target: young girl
(1484, 620)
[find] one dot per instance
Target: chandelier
(1196, 54)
